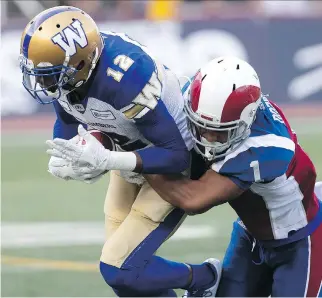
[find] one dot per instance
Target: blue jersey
(137, 101)
(276, 174)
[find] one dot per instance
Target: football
(103, 138)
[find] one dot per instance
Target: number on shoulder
(123, 62)
(257, 175)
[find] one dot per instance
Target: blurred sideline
(45, 122)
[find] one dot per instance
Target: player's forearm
(195, 196)
(181, 192)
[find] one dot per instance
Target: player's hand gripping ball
(103, 138)
(89, 157)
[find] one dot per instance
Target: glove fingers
(59, 142)
(85, 170)
(82, 131)
(93, 180)
(58, 154)
(53, 146)
(58, 174)
(68, 148)
(57, 162)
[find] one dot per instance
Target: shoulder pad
(258, 159)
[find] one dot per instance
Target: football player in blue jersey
(109, 82)
(255, 164)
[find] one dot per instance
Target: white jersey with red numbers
(277, 175)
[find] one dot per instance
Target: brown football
(104, 139)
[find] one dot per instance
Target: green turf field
(52, 231)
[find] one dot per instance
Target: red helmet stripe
(195, 91)
(238, 100)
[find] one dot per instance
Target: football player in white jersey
(256, 165)
(109, 82)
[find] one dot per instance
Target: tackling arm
(195, 196)
(236, 174)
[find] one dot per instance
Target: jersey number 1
(123, 62)
(257, 175)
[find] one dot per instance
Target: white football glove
(62, 168)
(88, 159)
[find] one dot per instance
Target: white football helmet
(223, 96)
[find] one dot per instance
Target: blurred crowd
(166, 9)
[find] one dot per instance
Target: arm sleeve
(169, 153)
(65, 126)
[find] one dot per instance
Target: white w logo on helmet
(69, 36)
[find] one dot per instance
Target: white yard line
(19, 235)
(56, 234)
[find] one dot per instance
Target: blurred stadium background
(52, 231)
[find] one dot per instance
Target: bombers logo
(69, 36)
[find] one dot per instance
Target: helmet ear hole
(80, 65)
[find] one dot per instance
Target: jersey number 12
(123, 62)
